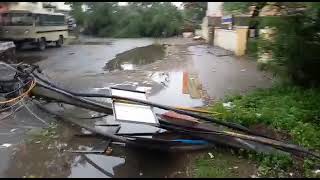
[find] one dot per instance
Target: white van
(37, 28)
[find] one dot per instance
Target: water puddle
(173, 91)
(131, 59)
(173, 88)
(52, 158)
(163, 73)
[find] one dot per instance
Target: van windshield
(17, 19)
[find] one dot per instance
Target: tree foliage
(295, 45)
(137, 19)
(194, 11)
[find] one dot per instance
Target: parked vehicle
(71, 24)
(37, 28)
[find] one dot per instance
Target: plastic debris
(6, 145)
(197, 38)
(228, 105)
(84, 131)
(211, 156)
(253, 176)
(317, 171)
(144, 88)
(13, 130)
(108, 151)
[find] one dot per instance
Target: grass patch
(287, 109)
(45, 135)
(252, 48)
(222, 165)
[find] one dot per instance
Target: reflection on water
(172, 91)
(166, 86)
(50, 158)
(129, 60)
(91, 165)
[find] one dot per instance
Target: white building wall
(226, 39)
(214, 9)
(26, 6)
(205, 29)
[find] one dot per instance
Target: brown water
(94, 67)
(129, 60)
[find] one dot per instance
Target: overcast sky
(61, 5)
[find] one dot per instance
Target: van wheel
(59, 42)
(42, 44)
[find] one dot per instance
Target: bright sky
(61, 5)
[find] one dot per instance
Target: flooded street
(175, 72)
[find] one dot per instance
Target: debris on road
(13, 130)
(197, 38)
(200, 132)
(228, 105)
(5, 145)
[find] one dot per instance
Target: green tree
(194, 11)
(76, 12)
(295, 45)
(137, 19)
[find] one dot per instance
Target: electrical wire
(10, 107)
(95, 117)
(17, 109)
(81, 102)
(263, 140)
(33, 84)
(9, 66)
(35, 115)
(24, 85)
(278, 144)
(208, 119)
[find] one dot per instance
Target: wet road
(93, 65)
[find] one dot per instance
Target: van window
(17, 19)
(50, 20)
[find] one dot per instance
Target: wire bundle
(15, 98)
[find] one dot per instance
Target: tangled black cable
(258, 138)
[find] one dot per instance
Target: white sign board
(134, 113)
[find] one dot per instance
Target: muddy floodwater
(158, 66)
